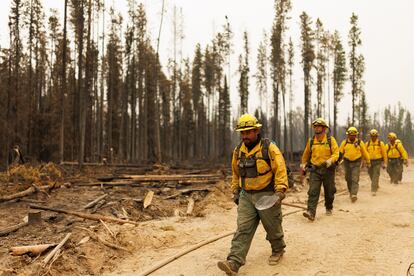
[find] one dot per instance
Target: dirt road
(374, 236)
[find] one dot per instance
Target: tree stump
(34, 217)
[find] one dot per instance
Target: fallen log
(113, 183)
(34, 250)
(98, 206)
(24, 193)
(55, 250)
(193, 172)
(137, 200)
(171, 177)
(84, 215)
(12, 228)
(197, 181)
(187, 191)
(94, 202)
(29, 200)
(109, 230)
(75, 163)
(132, 182)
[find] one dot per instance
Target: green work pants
(374, 173)
(395, 169)
(248, 218)
(352, 170)
(318, 177)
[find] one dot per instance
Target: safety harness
(396, 147)
(247, 165)
(311, 143)
(369, 143)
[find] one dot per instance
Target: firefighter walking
(353, 150)
(319, 158)
(397, 156)
(258, 169)
(378, 157)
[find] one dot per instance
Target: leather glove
(236, 196)
(281, 195)
(405, 162)
(328, 163)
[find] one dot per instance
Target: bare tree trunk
(31, 90)
(102, 89)
(285, 132)
(81, 92)
(63, 88)
(307, 110)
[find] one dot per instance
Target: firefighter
(378, 157)
(353, 150)
(319, 158)
(258, 169)
(397, 156)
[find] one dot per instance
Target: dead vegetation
(92, 215)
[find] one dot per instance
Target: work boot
(230, 267)
(309, 215)
(329, 212)
(275, 258)
(354, 198)
(374, 193)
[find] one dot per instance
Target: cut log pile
(183, 179)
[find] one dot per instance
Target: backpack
(329, 139)
(265, 156)
(369, 142)
(396, 147)
(341, 155)
(265, 150)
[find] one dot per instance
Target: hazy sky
(387, 36)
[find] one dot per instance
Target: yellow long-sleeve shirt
(396, 151)
(354, 150)
(321, 151)
(275, 173)
(377, 150)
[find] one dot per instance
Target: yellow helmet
(247, 122)
(392, 135)
(320, 122)
(373, 132)
(352, 131)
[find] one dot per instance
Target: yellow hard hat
(373, 132)
(352, 131)
(320, 122)
(247, 122)
(392, 135)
